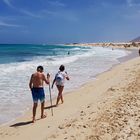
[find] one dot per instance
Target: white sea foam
(43, 60)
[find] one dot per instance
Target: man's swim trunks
(38, 94)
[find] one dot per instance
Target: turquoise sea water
(18, 62)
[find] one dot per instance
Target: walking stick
(51, 99)
(48, 75)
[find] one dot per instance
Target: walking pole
(51, 99)
(48, 75)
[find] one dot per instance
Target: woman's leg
(60, 90)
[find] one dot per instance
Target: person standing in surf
(59, 80)
(36, 85)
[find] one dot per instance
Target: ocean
(18, 62)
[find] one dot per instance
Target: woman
(59, 80)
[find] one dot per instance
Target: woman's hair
(62, 68)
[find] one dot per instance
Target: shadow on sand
(29, 122)
(21, 124)
(49, 107)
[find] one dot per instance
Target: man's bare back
(37, 80)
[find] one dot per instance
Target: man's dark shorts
(38, 94)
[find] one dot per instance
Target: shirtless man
(36, 85)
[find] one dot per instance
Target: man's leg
(42, 110)
(34, 111)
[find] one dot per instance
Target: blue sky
(67, 21)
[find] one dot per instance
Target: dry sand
(122, 45)
(105, 109)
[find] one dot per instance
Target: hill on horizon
(136, 39)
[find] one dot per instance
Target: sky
(68, 21)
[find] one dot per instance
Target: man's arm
(31, 81)
(47, 80)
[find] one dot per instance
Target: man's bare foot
(43, 116)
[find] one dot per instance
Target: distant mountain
(136, 39)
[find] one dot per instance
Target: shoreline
(22, 123)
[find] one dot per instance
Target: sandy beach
(107, 108)
(113, 45)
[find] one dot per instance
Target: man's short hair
(40, 68)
